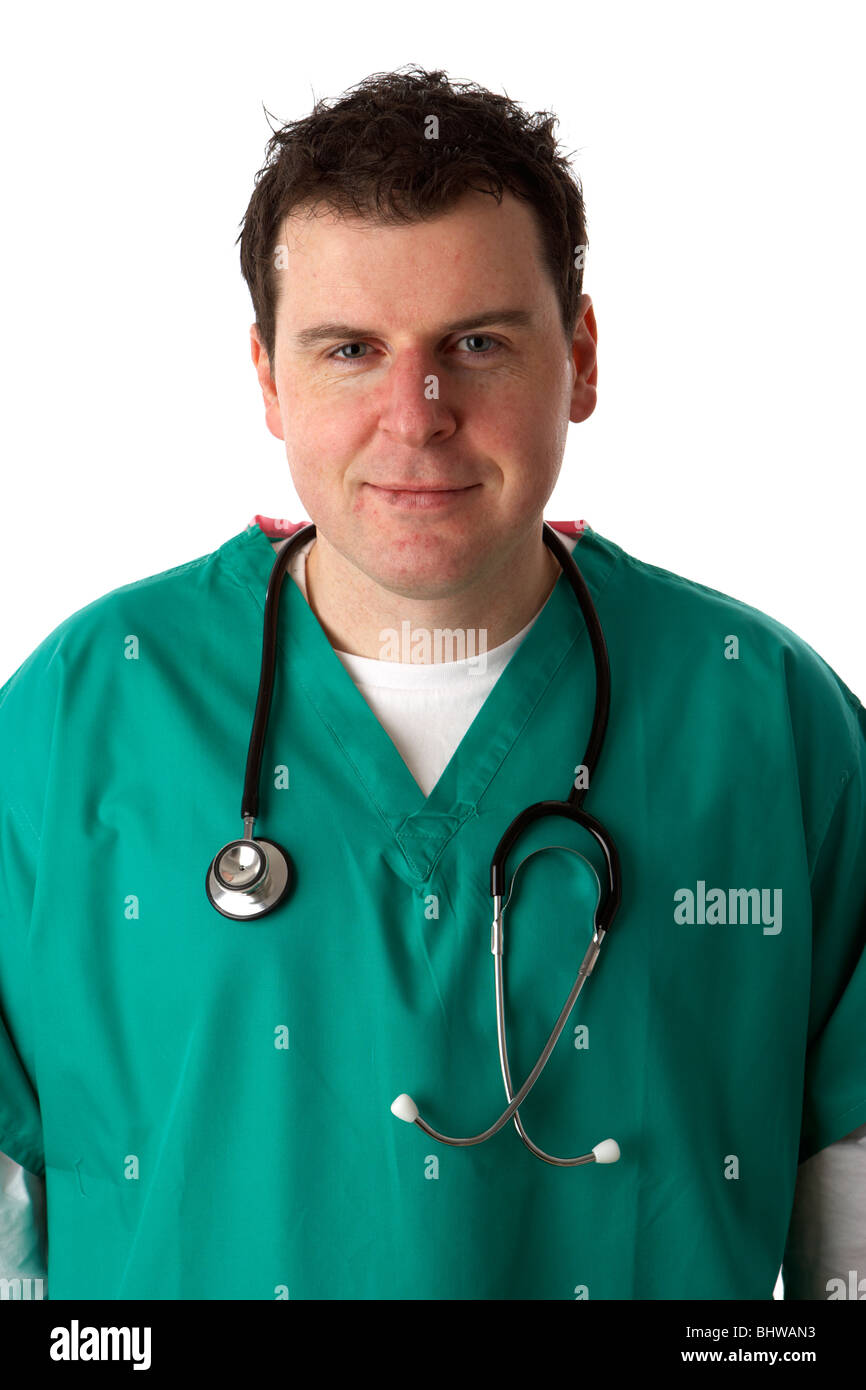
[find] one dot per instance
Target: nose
(414, 402)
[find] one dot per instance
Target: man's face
(391, 400)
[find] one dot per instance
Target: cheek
(322, 437)
(526, 439)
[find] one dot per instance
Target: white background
(720, 152)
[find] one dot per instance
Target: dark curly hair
(370, 153)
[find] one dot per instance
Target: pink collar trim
(276, 527)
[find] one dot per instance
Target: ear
(585, 357)
(273, 417)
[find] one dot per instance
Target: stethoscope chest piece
(249, 878)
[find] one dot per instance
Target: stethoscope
(250, 877)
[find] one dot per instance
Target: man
(209, 1099)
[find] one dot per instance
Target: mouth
(426, 498)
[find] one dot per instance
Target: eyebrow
(324, 332)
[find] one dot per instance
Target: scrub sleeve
(27, 723)
(834, 1099)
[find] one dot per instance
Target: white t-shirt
(424, 707)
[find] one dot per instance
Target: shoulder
(78, 638)
(685, 609)
(64, 689)
(696, 638)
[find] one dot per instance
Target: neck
(360, 617)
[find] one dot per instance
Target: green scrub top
(209, 1099)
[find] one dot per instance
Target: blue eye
(345, 345)
(482, 336)
(335, 354)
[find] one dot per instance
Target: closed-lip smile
(416, 497)
(422, 487)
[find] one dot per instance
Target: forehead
(478, 245)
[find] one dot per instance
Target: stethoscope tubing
(272, 890)
(252, 776)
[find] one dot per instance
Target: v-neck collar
(422, 826)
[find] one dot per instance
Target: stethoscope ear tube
(599, 653)
(611, 895)
(571, 808)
